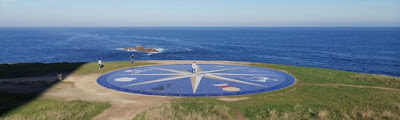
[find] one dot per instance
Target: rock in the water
(128, 49)
(141, 49)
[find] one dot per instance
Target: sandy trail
(124, 106)
(359, 86)
(45, 79)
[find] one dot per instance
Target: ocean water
(366, 50)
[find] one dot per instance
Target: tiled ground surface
(210, 80)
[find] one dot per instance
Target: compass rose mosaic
(208, 80)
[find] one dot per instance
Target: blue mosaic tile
(210, 80)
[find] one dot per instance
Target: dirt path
(45, 79)
(360, 86)
(27, 85)
(124, 106)
(238, 116)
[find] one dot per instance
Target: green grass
(307, 99)
(187, 111)
(49, 109)
(324, 76)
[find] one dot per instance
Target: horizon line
(199, 26)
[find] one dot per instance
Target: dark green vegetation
(35, 69)
(41, 69)
(318, 94)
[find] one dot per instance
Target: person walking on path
(132, 58)
(100, 63)
(194, 67)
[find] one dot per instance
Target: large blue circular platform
(209, 80)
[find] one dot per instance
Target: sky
(199, 13)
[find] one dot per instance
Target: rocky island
(142, 49)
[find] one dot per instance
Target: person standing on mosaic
(194, 67)
(100, 63)
(132, 56)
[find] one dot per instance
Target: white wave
(125, 50)
(178, 50)
(188, 49)
(160, 50)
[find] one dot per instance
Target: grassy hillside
(318, 94)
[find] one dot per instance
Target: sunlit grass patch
(49, 109)
(186, 111)
(381, 80)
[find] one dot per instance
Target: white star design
(195, 78)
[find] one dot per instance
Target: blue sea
(366, 50)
